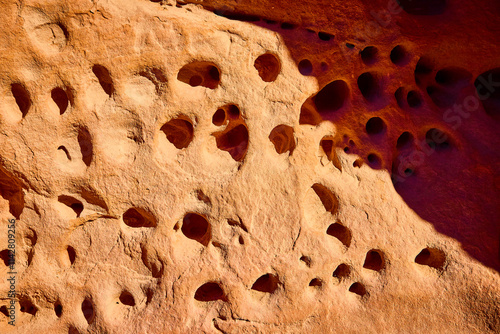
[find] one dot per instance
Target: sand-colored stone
(250, 167)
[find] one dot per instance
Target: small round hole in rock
(432, 257)
(453, 76)
(374, 161)
(233, 140)
(5, 256)
(424, 66)
(332, 97)
(287, 26)
(327, 198)
(179, 132)
(316, 282)
(375, 260)
(22, 97)
(342, 233)
(104, 78)
(60, 98)
(357, 163)
(4, 311)
(283, 139)
(414, 99)
(196, 227)
(408, 172)
(71, 254)
(195, 80)
(375, 125)
(268, 67)
(219, 117)
(266, 283)
(200, 73)
(305, 67)
(400, 96)
(342, 272)
(137, 217)
(208, 292)
(233, 111)
(405, 140)
(358, 289)
(423, 7)
(399, 55)
(369, 86)
(490, 98)
(369, 54)
(58, 309)
(324, 36)
(126, 298)
(437, 140)
(27, 306)
(88, 310)
(306, 260)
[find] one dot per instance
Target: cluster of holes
(225, 113)
(445, 86)
(234, 138)
(212, 291)
(200, 73)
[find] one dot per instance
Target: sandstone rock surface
(222, 166)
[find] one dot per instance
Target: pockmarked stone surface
(226, 166)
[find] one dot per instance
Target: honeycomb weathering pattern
(251, 167)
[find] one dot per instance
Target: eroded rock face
(201, 168)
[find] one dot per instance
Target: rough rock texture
(251, 167)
